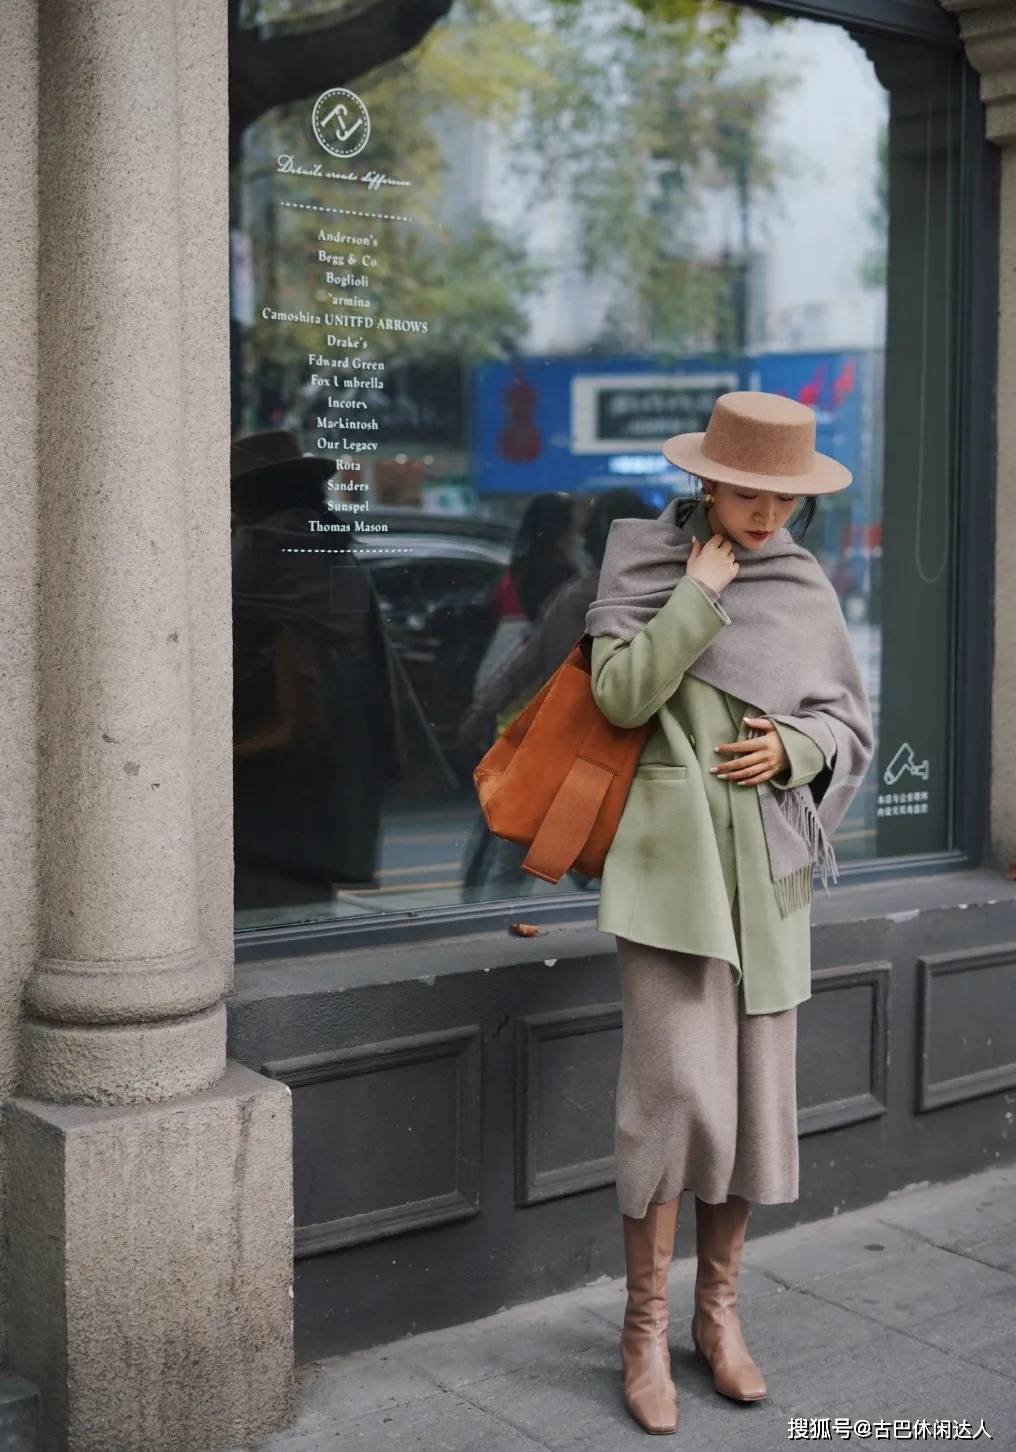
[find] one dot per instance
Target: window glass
(481, 267)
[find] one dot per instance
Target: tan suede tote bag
(557, 778)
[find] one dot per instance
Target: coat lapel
(700, 524)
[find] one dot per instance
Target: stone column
(150, 1186)
(125, 1004)
(988, 28)
(19, 431)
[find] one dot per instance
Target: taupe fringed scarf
(786, 651)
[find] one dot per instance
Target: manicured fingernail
(714, 768)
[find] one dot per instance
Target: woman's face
(748, 516)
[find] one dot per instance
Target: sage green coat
(687, 838)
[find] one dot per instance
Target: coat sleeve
(805, 757)
(632, 679)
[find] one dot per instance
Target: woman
(543, 558)
(714, 622)
(543, 553)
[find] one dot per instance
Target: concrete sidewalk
(906, 1309)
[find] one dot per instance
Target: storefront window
(480, 271)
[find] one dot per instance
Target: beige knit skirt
(706, 1094)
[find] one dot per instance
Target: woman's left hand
(756, 760)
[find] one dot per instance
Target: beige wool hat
(762, 440)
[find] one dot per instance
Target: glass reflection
(480, 269)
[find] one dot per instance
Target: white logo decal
(341, 122)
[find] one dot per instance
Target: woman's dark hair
(799, 524)
(619, 503)
(542, 556)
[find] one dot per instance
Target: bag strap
(569, 820)
(572, 814)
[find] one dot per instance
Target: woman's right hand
(712, 563)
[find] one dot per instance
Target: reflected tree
(632, 107)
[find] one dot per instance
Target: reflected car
(436, 590)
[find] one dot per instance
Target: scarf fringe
(794, 889)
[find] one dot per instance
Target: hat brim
(306, 469)
(826, 475)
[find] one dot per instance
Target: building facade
(326, 336)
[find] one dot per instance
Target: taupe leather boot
(649, 1391)
(715, 1325)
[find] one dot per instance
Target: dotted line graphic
(346, 212)
(365, 550)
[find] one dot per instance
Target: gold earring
(707, 499)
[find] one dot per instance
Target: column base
(151, 1255)
(131, 1063)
